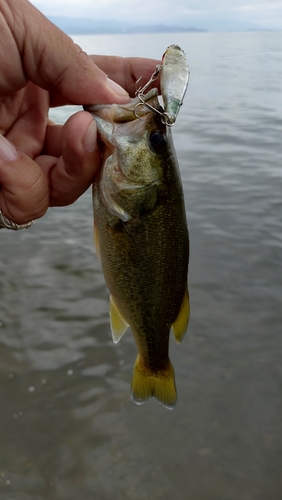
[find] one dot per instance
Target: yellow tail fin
(147, 384)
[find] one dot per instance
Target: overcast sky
(265, 13)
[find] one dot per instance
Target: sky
(266, 14)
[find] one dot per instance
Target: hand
(43, 164)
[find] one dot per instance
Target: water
(68, 429)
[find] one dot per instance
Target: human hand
(43, 164)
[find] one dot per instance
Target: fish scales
(133, 268)
(143, 245)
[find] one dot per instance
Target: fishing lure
(174, 78)
(173, 81)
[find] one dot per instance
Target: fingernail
(89, 139)
(116, 88)
(7, 151)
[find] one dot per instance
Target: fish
(141, 238)
(174, 79)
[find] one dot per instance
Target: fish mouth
(121, 129)
(123, 113)
(127, 120)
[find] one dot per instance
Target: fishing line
(255, 54)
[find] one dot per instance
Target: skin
(43, 164)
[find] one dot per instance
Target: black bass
(141, 239)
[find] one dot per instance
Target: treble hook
(140, 94)
(164, 116)
(154, 76)
(144, 103)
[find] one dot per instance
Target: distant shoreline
(86, 26)
(81, 26)
(135, 32)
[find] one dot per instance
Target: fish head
(135, 150)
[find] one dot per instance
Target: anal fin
(118, 324)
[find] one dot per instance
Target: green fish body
(141, 239)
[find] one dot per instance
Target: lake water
(68, 428)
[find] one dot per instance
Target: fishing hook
(140, 94)
(164, 116)
(144, 103)
(154, 76)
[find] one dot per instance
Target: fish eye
(157, 141)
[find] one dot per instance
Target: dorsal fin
(180, 325)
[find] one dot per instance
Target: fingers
(29, 187)
(27, 132)
(52, 61)
(127, 70)
(71, 174)
(24, 188)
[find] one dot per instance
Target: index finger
(51, 60)
(123, 70)
(127, 70)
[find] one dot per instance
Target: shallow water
(68, 428)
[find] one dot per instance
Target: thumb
(54, 62)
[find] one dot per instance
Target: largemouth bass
(141, 239)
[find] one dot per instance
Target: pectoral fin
(96, 242)
(118, 324)
(180, 325)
